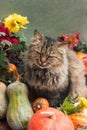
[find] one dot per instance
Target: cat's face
(45, 52)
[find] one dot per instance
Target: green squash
(19, 110)
(3, 100)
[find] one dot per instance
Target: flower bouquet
(12, 44)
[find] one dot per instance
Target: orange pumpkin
(40, 103)
(79, 119)
(83, 57)
(13, 69)
(80, 54)
(50, 119)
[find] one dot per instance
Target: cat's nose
(43, 59)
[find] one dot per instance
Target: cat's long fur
(53, 70)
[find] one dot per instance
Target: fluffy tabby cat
(53, 70)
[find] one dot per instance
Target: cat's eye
(37, 51)
(51, 53)
(49, 56)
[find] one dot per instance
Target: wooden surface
(4, 125)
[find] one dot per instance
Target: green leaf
(19, 47)
(82, 46)
(2, 34)
(3, 59)
(5, 42)
(68, 106)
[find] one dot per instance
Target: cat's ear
(38, 35)
(62, 45)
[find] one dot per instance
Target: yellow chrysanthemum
(14, 22)
(22, 20)
(12, 25)
(83, 101)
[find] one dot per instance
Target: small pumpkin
(79, 119)
(83, 57)
(40, 103)
(3, 100)
(50, 119)
(13, 68)
(80, 54)
(9, 74)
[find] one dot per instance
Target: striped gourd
(19, 108)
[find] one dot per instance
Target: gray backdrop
(51, 17)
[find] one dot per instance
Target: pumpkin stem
(39, 106)
(50, 115)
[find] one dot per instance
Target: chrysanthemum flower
(12, 25)
(14, 22)
(71, 39)
(20, 19)
(4, 31)
(14, 41)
